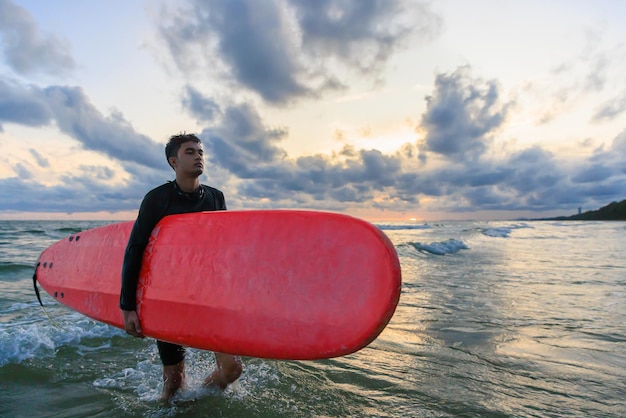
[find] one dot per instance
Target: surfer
(185, 194)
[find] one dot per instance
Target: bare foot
(173, 380)
(228, 370)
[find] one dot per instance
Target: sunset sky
(386, 110)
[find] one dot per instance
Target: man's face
(189, 160)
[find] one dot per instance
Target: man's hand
(132, 323)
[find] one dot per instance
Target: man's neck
(188, 184)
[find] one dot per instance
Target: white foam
(398, 227)
(22, 341)
(504, 231)
(497, 232)
(451, 246)
(145, 380)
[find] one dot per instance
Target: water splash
(451, 246)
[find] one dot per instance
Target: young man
(185, 155)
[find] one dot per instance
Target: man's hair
(173, 145)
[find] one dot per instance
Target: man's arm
(139, 236)
(131, 266)
(221, 201)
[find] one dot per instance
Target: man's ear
(173, 162)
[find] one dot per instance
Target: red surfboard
(275, 284)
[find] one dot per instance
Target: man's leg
(173, 379)
(173, 359)
(228, 370)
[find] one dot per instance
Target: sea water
(521, 319)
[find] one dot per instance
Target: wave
(451, 246)
(399, 227)
(34, 231)
(69, 230)
(503, 231)
(7, 267)
(24, 341)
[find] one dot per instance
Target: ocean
(496, 319)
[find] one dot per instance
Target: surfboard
(279, 284)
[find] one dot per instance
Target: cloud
(462, 116)
(250, 38)
(242, 143)
(22, 171)
(244, 146)
(593, 173)
(88, 188)
(112, 135)
(24, 105)
(26, 49)
(70, 109)
(611, 109)
(247, 160)
(40, 159)
(98, 172)
(202, 108)
(77, 193)
(363, 35)
(287, 49)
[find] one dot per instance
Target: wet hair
(173, 145)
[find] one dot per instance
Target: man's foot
(228, 370)
(173, 380)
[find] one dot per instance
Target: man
(185, 155)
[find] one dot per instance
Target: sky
(382, 109)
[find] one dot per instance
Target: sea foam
(399, 227)
(450, 246)
(23, 341)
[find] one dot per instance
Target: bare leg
(228, 370)
(173, 379)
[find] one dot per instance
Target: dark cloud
(26, 49)
(24, 105)
(484, 197)
(202, 108)
(246, 159)
(533, 169)
(98, 172)
(363, 34)
(70, 109)
(22, 171)
(112, 135)
(250, 37)
(619, 144)
(77, 193)
(373, 167)
(243, 144)
(462, 116)
(87, 189)
(592, 174)
(40, 159)
(283, 59)
(251, 151)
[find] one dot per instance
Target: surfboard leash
(43, 308)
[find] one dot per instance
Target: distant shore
(614, 211)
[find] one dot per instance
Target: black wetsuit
(164, 200)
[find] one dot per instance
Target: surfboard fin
(36, 288)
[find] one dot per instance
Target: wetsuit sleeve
(140, 234)
(221, 202)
